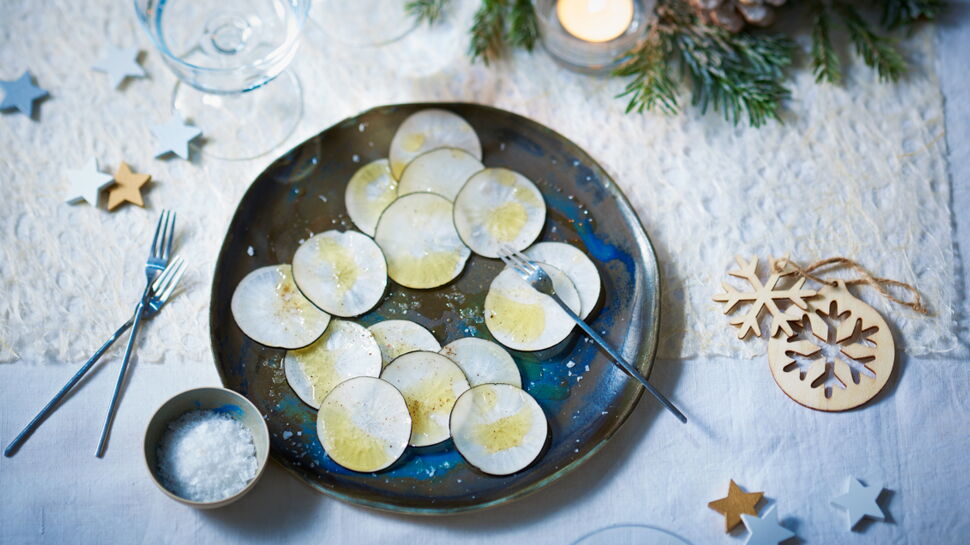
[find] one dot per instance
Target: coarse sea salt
(206, 456)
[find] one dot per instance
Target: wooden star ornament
(736, 503)
(127, 187)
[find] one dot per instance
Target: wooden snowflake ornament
(765, 297)
(841, 356)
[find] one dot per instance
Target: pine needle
(825, 60)
(425, 11)
(876, 51)
(900, 13)
(651, 86)
(488, 31)
(523, 28)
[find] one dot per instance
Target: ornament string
(865, 277)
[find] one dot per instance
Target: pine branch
(825, 60)
(487, 31)
(735, 74)
(877, 51)
(523, 27)
(900, 13)
(652, 86)
(425, 11)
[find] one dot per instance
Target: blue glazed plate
(584, 396)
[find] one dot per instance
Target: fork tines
(165, 283)
(517, 261)
(162, 248)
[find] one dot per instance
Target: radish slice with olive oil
(576, 265)
(498, 428)
(343, 273)
(521, 318)
(499, 208)
(418, 238)
(346, 350)
(370, 190)
(483, 361)
(364, 424)
(427, 130)
(398, 337)
(271, 310)
(430, 384)
(443, 171)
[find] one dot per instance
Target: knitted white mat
(856, 171)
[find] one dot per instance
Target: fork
(157, 260)
(539, 279)
(162, 289)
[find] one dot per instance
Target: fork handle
(619, 360)
(52, 404)
(139, 314)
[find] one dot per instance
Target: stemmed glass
(231, 59)
(363, 22)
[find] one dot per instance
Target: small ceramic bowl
(220, 399)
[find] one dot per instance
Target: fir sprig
(425, 11)
(523, 27)
(825, 59)
(902, 13)
(500, 22)
(487, 31)
(739, 75)
(877, 51)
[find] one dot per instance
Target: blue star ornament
(120, 63)
(174, 137)
(860, 502)
(21, 94)
(87, 183)
(765, 530)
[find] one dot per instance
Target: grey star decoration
(765, 530)
(174, 137)
(21, 94)
(120, 63)
(860, 502)
(87, 183)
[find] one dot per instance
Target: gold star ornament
(736, 503)
(127, 187)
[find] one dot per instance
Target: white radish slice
(430, 384)
(364, 424)
(346, 350)
(521, 318)
(343, 273)
(497, 208)
(443, 171)
(270, 310)
(498, 428)
(419, 240)
(483, 361)
(427, 130)
(370, 190)
(398, 337)
(576, 265)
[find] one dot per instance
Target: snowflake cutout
(841, 355)
(832, 350)
(764, 297)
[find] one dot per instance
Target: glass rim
(302, 14)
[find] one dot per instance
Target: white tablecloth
(654, 471)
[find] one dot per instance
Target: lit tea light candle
(595, 20)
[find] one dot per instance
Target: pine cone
(733, 15)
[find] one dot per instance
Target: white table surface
(654, 471)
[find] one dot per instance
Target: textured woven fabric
(854, 171)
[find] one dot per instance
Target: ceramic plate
(584, 396)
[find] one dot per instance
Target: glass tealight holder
(592, 36)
